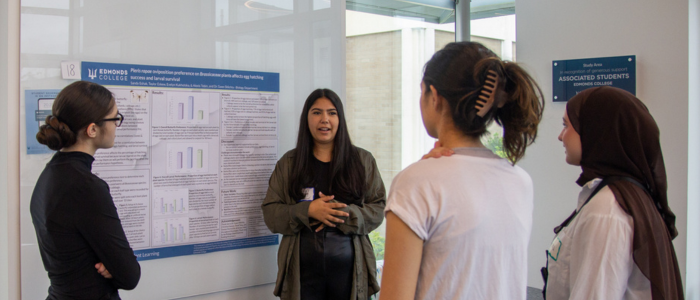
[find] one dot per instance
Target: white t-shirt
(473, 210)
(591, 258)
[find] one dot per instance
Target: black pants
(327, 259)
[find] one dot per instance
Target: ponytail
(460, 73)
(521, 112)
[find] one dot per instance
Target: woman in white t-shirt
(617, 243)
(458, 226)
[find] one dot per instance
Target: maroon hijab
(620, 138)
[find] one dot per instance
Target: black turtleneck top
(77, 226)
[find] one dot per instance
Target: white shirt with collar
(591, 258)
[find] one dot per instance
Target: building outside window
(386, 49)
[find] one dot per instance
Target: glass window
(384, 62)
(44, 34)
(385, 53)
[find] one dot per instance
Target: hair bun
(55, 134)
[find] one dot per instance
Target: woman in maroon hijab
(617, 244)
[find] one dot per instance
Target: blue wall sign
(569, 77)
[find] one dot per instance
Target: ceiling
(433, 11)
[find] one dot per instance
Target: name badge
(308, 194)
(554, 249)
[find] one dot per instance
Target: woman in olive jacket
(325, 197)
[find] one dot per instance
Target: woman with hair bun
(81, 239)
(458, 226)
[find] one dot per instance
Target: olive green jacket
(284, 215)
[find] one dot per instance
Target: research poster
(192, 159)
(569, 77)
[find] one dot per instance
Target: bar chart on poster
(170, 231)
(187, 158)
(168, 202)
(184, 109)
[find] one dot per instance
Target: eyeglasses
(119, 119)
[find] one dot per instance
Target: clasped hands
(327, 212)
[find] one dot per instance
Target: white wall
(657, 33)
(9, 167)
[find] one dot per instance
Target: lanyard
(601, 185)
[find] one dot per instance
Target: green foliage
(378, 244)
(495, 143)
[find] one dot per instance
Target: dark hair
(458, 73)
(347, 176)
(78, 105)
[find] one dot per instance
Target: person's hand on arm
(438, 151)
(103, 271)
(402, 258)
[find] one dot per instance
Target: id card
(554, 249)
(308, 194)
